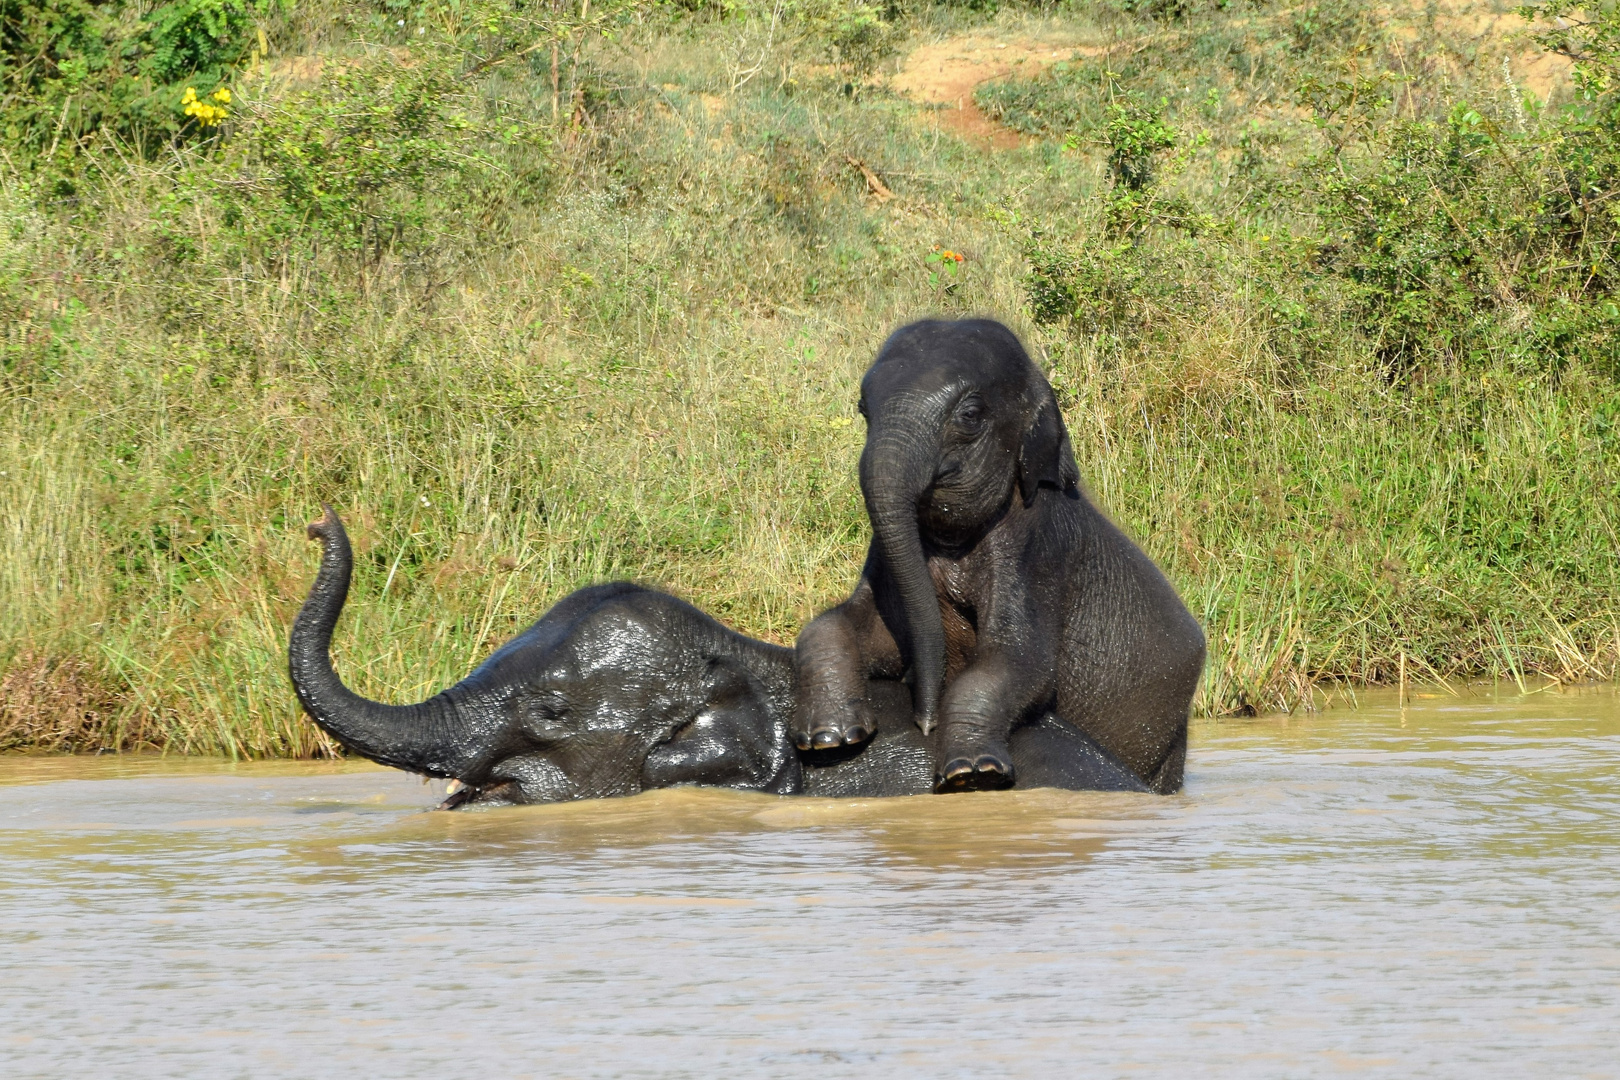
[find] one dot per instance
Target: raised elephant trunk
(424, 738)
(896, 475)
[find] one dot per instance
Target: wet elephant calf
(616, 690)
(620, 689)
(992, 578)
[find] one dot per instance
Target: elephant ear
(1046, 458)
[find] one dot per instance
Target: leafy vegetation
(76, 69)
(539, 294)
(1445, 229)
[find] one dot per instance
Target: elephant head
(960, 422)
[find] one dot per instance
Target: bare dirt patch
(297, 70)
(944, 73)
(1501, 32)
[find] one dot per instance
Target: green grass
(629, 346)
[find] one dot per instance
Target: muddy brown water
(1427, 892)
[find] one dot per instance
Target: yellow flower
(206, 113)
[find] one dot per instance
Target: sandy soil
(1534, 70)
(945, 72)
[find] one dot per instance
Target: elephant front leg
(980, 709)
(832, 659)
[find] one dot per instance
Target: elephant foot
(990, 770)
(828, 732)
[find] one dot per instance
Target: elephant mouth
(950, 519)
(458, 794)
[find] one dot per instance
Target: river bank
(605, 318)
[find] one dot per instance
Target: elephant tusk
(456, 793)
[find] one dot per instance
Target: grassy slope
(650, 372)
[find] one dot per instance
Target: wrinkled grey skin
(616, 690)
(621, 689)
(992, 579)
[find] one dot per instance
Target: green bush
(74, 68)
(198, 39)
(1447, 233)
(1442, 229)
(354, 162)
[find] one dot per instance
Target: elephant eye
(861, 407)
(970, 414)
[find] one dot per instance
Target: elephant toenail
(957, 767)
(822, 740)
(856, 734)
(986, 763)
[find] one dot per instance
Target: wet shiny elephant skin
(620, 689)
(992, 579)
(616, 690)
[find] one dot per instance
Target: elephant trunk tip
(324, 528)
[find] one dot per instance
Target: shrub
(73, 68)
(1459, 238)
(198, 39)
(355, 162)
(1137, 136)
(1442, 229)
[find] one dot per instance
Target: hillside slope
(541, 296)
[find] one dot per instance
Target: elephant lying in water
(620, 689)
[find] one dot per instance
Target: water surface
(1432, 891)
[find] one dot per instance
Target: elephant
(620, 689)
(992, 579)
